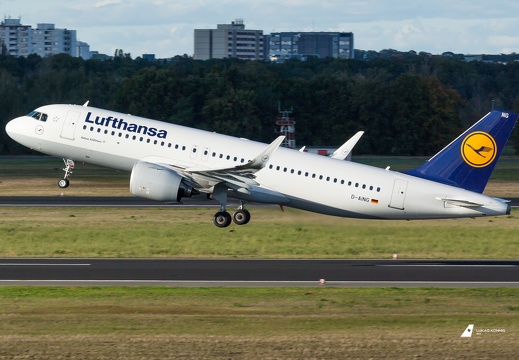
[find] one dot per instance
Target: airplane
(168, 162)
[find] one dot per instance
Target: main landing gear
(222, 218)
(240, 217)
(69, 165)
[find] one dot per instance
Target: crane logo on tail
(478, 149)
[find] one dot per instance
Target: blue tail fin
(468, 161)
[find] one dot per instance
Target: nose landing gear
(69, 165)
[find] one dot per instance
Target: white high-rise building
(229, 41)
(15, 38)
(83, 50)
(51, 41)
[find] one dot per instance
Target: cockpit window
(38, 115)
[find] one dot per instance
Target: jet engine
(156, 182)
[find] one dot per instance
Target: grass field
(318, 322)
(173, 232)
(238, 323)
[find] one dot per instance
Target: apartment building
(229, 41)
(15, 38)
(50, 41)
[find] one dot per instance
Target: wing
(344, 152)
(240, 178)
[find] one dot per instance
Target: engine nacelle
(156, 182)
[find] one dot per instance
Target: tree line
(410, 106)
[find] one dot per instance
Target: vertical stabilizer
(468, 161)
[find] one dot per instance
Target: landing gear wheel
(69, 166)
(241, 217)
(222, 219)
(63, 183)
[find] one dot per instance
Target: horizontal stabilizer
(460, 202)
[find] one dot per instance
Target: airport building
(282, 46)
(229, 41)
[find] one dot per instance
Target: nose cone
(9, 128)
(14, 128)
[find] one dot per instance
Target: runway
(196, 272)
(120, 201)
(103, 201)
(271, 273)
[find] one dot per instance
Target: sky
(166, 27)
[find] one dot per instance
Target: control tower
(287, 127)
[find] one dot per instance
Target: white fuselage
(296, 179)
